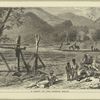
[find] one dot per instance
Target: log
(12, 71)
(5, 47)
(80, 51)
(43, 72)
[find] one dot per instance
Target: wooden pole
(37, 38)
(3, 58)
(36, 64)
(26, 65)
(42, 62)
(18, 52)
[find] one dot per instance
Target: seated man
(85, 59)
(88, 65)
(52, 78)
(90, 60)
(93, 64)
(47, 80)
(84, 69)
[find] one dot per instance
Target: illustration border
(69, 91)
(51, 0)
(49, 99)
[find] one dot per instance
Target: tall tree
(9, 17)
(5, 20)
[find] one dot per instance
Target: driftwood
(45, 73)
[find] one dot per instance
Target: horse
(71, 47)
(76, 47)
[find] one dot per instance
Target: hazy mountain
(34, 25)
(77, 20)
(49, 18)
(48, 26)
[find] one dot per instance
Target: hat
(73, 59)
(51, 72)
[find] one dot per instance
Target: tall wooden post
(18, 51)
(37, 39)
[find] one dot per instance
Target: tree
(72, 34)
(86, 29)
(4, 21)
(10, 17)
(62, 30)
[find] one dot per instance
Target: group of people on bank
(77, 71)
(74, 70)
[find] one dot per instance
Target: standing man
(92, 48)
(75, 68)
(68, 71)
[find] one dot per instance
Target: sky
(89, 12)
